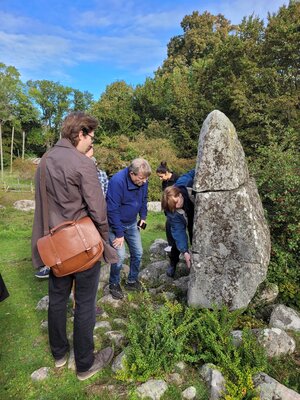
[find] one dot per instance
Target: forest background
(248, 71)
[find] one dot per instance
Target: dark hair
(162, 168)
(168, 202)
(74, 123)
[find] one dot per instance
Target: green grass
(23, 344)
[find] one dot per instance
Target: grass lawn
(23, 343)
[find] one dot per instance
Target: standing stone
(231, 241)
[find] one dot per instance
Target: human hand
(187, 258)
(141, 224)
(118, 242)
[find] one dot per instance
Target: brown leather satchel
(72, 246)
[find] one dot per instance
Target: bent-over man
(126, 199)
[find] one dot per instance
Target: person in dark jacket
(179, 210)
(126, 198)
(168, 178)
(73, 192)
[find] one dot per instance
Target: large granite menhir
(231, 241)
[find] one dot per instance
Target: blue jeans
(132, 237)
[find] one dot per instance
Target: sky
(89, 44)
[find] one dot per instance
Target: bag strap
(44, 194)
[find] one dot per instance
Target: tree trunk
(12, 147)
(1, 152)
(23, 145)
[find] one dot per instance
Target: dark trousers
(175, 253)
(86, 285)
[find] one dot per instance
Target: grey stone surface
(103, 325)
(71, 360)
(116, 337)
(189, 393)
(157, 249)
(175, 378)
(221, 163)
(117, 364)
(231, 242)
(40, 374)
(154, 206)
(152, 388)
(270, 389)
(152, 271)
(24, 205)
(214, 381)
(108, 299)
(267, 295)
(285, 318)
(43, 304)
(276, 342)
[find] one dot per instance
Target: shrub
(214, 342)
(157, 339)
(116, 153)
(276, 170)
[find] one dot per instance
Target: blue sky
(89, 44)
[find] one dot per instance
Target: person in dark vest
(73, 192)
(179, 209)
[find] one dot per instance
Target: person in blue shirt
(126, 199)
(179, 209)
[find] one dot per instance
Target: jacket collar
(65, 143)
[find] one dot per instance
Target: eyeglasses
(92, 137)
(140, 178)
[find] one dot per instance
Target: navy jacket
(125, 201)
(179, 222)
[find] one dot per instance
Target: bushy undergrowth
(160, 336)
(116, 152)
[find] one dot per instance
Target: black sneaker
(134, 286)
(116, 291)
(171, 271)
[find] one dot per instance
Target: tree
(54, 102)
(114, 110)
(203, 34)
(82, 101)
(27, 115)
(10, 86)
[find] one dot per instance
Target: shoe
(134, 286)
(171, 271)
(102, 360)
(61, 362)
(116, 291)
(43, 273)
(168, 249)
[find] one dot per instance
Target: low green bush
(160, 336)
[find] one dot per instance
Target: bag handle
(57, 227)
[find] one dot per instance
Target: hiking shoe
(134, 286)
(61, 361)
(43, 273)
(116, 291)
(171, 271)
(102, 360)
